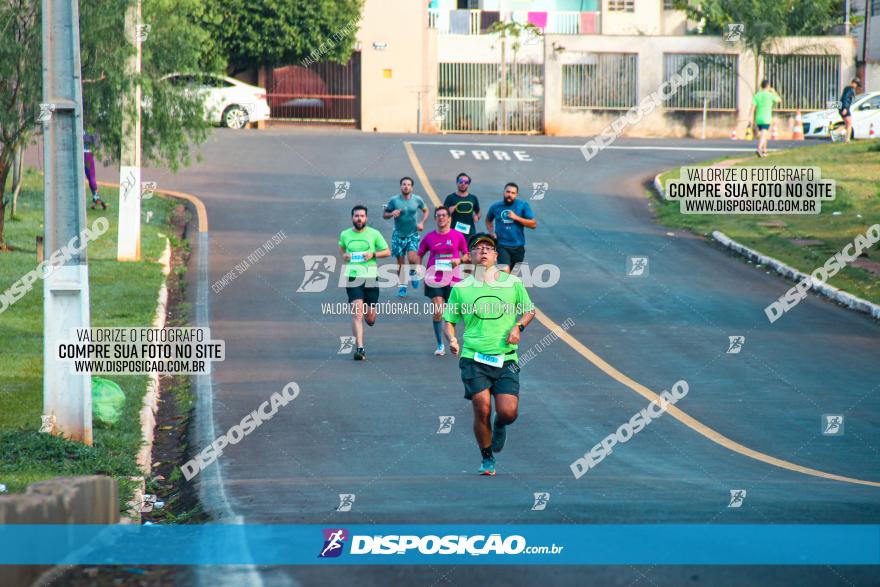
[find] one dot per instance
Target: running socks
(486, 452)
(438, 332)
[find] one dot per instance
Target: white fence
(477, 22)
(486, 98)
(805, 82)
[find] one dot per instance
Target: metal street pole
(705, 108)
(419, 112)
(67, 396)
(128, 246)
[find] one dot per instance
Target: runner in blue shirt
(506, 220)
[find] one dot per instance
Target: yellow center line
(201, 211)
(645, 392)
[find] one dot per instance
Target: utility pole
(67, 396)
(868, 11)
(502, 90)
(128, 246)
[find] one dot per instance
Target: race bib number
(492, 360)
(357, 257)
(462, 227)
(444, 264)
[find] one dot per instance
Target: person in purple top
(446, 248)
(89, 162)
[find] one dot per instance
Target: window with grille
(621, 6)
(602, 81)
(805, 82)
(715, 83)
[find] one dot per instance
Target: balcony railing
(477, 22)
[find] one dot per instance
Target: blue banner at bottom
(218, 544)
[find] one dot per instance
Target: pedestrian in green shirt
(489, 303)
(762, 109)
(359, 247)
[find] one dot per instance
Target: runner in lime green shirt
(762, 107)
(489, 303)
(359, 247)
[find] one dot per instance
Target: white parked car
(228, 102)
(865, 112)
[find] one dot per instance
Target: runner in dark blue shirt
(506, 220)
(846, 100)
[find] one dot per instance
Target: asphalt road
(370, 428)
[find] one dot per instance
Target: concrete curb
(151, 397)
(841, 297)
(150, 403)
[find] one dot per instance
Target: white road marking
(563, 146)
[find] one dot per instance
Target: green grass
(121, 294)
(855, 167)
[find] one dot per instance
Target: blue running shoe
(499, 435)
(488, 466)
(415, 283)
(401, 293)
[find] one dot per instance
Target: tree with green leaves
(280, 32)
(19, 85)
(172, 119)
(764, 22)
(515, 33)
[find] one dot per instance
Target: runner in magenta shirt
(446, 248)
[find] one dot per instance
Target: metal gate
(490, 98)
(322, 92)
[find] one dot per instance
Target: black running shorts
(479, 376)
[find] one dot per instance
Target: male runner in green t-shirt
(489, 302)
(762, 106)
(360, 246)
